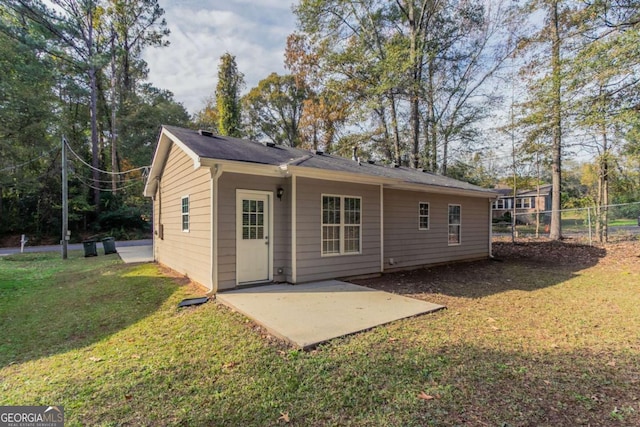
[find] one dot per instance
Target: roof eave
(160, 156)
(439, 189)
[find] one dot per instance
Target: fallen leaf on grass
(425, 396)
(135, 356)
(95, 359)
(284, 416)
(612, 363)
(229, 365)
(128, 396)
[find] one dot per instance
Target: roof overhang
(160, 156)
(284, 170)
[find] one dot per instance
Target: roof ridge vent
(205, 133)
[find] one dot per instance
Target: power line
(100, 170)
(111, 190)
(29, 161)
(105, 181)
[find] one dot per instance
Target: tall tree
(274, 107)
(545, 111)
(419, 66)
(230, 83)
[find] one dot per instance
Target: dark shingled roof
(242, 150)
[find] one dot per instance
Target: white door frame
(269, 228)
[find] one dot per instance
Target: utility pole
(65, 203)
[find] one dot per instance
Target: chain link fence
(590, 225)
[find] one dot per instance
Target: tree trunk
(396, 133)
(604, 184)
(556, 159)
(114, 153)
(432, 129)
(95, 155)
(414, 99)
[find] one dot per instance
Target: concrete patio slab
(133, 254)
(309, 314)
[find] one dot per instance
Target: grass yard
(550, 336)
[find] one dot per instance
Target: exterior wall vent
(205, 133)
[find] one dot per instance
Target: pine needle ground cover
(548, 336)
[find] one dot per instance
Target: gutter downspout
(294, 229)
(216, 171)
(381, 228)
(491, 226)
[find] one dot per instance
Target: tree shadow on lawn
(380, 383)
(57, 312)
(521, 266)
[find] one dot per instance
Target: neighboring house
(229, 212)
(527, 203)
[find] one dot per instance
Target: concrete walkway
(133, 254)
(309, 314)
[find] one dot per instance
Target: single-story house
(527, 203)
(229, 212)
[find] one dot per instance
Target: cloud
(254, 32)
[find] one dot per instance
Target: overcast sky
(254, 31)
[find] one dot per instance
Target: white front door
(253, 240)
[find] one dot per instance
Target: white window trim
(449, 225)
(342, 225)
(520, 203)
(188, 214)
(420, 216)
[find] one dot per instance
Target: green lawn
(520, 345)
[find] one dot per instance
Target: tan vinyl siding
(188, 253)
(409, 246)
(311, 264)
(227, 185)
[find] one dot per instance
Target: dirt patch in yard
(533, 259)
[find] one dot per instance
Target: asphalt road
(72, 247)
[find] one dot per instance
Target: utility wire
(100, 170)
(29, 161)
(105, 181)
(105, 189)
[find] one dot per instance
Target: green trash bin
(90, 248)
(109, 245)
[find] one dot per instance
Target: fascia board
(160, 158)
(425, 188)
(244, 167)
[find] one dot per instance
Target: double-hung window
(341, 225)
(524, 203)
(423, 216)
(455, 224)
(185, 213)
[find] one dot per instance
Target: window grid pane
(252, 219)
(454, 224)
(341, 219)
(423, 217)
(352, 239)
(185, 213)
